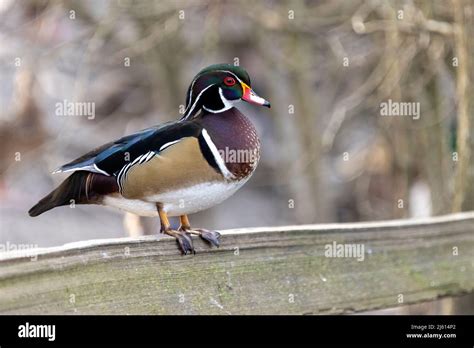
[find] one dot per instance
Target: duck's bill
(253, 98)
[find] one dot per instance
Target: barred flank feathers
(73, 188)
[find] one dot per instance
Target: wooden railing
(284, 270)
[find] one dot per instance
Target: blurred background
(327, 67)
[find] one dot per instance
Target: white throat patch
(228, 104)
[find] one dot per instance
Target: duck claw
(185, 243)
(184, 240)
(211, 237)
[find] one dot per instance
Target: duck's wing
(110, 159)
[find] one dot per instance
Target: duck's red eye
(229, 81)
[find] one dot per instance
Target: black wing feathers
(112, 157)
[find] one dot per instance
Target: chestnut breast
(236, 139)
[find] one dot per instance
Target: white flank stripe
(122, 175)
(220, 162)
(149, 156)
(168, 144)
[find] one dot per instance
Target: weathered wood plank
(258, 271)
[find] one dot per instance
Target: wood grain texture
(256, 271)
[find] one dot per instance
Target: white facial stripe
(224, 100)
(217, 157)
(187, 113)
(191, 90)
(227, 103)
(230, 72)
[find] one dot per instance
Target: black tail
(71, 191)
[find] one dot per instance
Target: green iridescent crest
(217, 88)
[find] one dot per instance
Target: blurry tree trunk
(133, 225)
(307, 165)
(433, 145)
(464, 179)
(390, 88)
(434, 159)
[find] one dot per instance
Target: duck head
(218, 88)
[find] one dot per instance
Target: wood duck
(177, 168)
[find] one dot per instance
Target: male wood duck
(177, 168)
